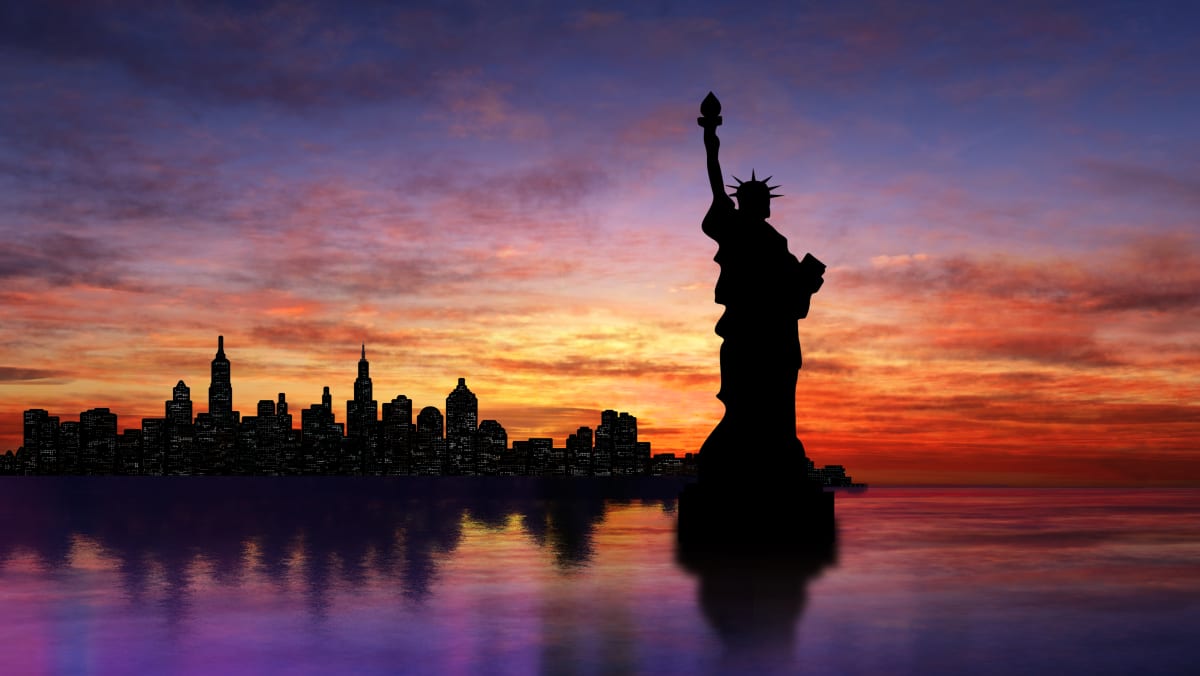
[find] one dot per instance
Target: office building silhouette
(430, 451)
(462, 414)
(491, 443)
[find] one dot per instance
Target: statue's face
(755, 206)
(754, 196)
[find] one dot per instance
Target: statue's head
(754, 196)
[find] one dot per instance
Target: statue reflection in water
(754, 601)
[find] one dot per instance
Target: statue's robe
(764, 289)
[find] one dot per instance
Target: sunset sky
(1007, 196)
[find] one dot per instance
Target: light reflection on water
(109, 575)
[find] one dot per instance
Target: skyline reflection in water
(210, 575)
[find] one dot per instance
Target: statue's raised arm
(710, 119)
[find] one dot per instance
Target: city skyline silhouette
(222, 441)
(370, 440)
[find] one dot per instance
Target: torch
(710, 112)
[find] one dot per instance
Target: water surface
(315, 576)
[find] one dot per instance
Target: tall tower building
(361, 419)
(361, 410)
(220, 389)
(264, 446)
(216, 430)
(603, 450)
(180, 433)
(462, 416)
(624, 438)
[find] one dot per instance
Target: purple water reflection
(191, 576)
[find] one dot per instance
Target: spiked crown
(753, 187)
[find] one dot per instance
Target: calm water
(321, 576)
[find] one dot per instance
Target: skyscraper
(129, 452)
(98, 440)
(69, 456)
(624, 437)
(491, 442)
(396, 438)
(361, 416)
(360, 411)
(154, 442)
(216, 430)
(41, 442)
(274, 455)
(288, 438)
(427, 459)
(321, 438)
(462, 414)
(603, 450)
(179, 432)
(220, 388)
(579, 452)
(179, 406)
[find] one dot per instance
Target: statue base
(761, 519)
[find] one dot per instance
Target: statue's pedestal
(764, 517)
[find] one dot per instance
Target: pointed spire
(364, 350)
(220, 347)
